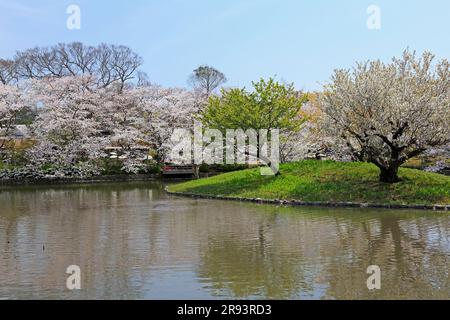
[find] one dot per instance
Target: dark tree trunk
(196, 171)
(390, 174)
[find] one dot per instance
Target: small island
(326, 182)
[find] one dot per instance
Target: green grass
(326, 181)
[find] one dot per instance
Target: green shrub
(110, 166)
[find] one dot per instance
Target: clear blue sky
(297, 40)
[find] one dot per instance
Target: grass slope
(326, 181)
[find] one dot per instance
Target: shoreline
(98, 179)
(297, 203)
(90, 180)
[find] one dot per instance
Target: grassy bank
(326, 181)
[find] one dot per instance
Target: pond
(133, 241)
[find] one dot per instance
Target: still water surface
(133, 241)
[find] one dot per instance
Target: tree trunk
(389, 174)
(196, 171)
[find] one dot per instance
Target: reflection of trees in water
(47, 229)
(240, 267)
(268, 255)
(327, 255)
(125, 237)
(412, 266)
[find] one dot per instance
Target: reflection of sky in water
(178, 283)
(435, 238)
(132, 241)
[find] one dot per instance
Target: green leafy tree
(271, 105)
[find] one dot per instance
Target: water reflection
(132, 241)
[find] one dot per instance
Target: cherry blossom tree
(88, 99)
(388, 113)
(78, 121)
(167, 109)
(441, 158)
(68, 128)
(123, 118)
(12, 103)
